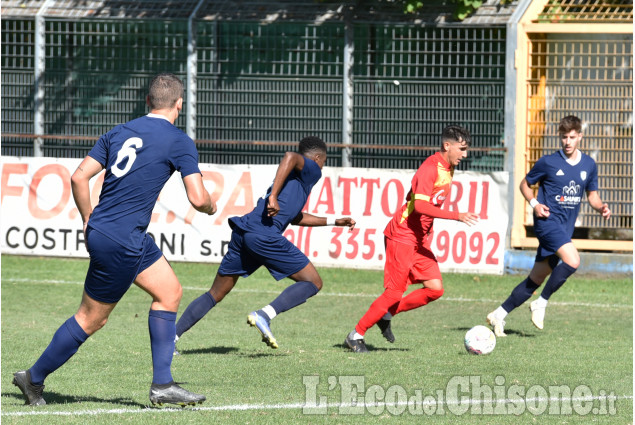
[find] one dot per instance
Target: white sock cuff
(269, 311)
(500, 312)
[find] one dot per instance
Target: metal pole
(192, 64)
(40, 65)
(511, 44)
(347, 95)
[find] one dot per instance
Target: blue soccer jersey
(291, 200)
(562, 186)
(139, 157)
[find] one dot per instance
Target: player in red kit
(409, 258)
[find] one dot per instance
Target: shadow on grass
(53, 398)
(507, 331)
(272, 353)
(371, 348)
(210, 350)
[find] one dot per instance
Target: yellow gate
(576, 57)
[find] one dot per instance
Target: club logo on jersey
(560, 173)
(583, 175)
(570, 196)
(438, 199)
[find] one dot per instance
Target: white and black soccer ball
(480, 340)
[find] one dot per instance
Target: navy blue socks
(64, 344)
(195, 312)
(558, 277)
(162, 330)
(293, 296)
(520, 294)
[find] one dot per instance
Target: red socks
(417, 298)
(377, 309)
(392, 301)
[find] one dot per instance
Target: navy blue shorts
(551, 237)
(113, 267)
(247, 251)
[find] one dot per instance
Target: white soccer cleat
(537, 314)
(497, 324)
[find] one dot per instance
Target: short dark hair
(311, 144)
(164, 90)
(456, 133)
(568, 123)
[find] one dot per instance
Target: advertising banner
(39, 216)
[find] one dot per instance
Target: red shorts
(407, 264)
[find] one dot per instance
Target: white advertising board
(39, 216)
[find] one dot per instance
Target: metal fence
(589, 76)
(266, 82)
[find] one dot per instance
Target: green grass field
(585, 353)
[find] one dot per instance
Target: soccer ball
(480, 340)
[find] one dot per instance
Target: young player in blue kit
(257, 240)
(563, 177)
(139, 158)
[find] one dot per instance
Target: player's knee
(538, 279)
(435, 294)
(574, 262)
(318, 283)
(177, 294)
(102, 323)
(393, 294)
(92, 326)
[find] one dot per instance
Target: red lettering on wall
(452, 202)
(385, 207)
(219, 184)
(243, 189)
(7, 170)
(346, 195)
(55, 170)
(484, 201)
(325, 198)
(369, 183)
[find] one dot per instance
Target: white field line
(294, 406)
(335, 294)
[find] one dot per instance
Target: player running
(257, 240)
(139, 158)
(409, 258)
(563, 177)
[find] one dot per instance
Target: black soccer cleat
(173, 394)
(386, 331)
(32, 393)
(357, 345)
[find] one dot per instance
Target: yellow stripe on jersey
(409, 209)
(443, 176)
(411, 205)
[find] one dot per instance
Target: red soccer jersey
(431, 183)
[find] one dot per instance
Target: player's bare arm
(308, 220)
(468, 218)
(81, 190)
(198, 195)
(291, 161)
(541, 210)
(596, 203)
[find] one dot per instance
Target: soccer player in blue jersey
(257, 240)
(139, 157)
(562, 177)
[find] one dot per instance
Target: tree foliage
(464, 8)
